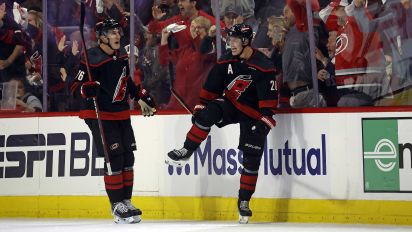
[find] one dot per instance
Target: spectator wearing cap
(232, 15)
(243, 8)
(247, 10)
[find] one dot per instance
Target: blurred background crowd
(338, 53)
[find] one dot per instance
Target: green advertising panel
(380, 155)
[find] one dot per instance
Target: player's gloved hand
(89, 89)
(146, 102)
(263, 125)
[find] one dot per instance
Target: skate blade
(128, 220)
(174, 163)
(243, 219)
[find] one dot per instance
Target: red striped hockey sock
(128, 183)
(196, 135)
(114, 187)
(247, 185)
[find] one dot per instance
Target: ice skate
(178, 158)
(121, 214)
(244, 211)
(134, 211)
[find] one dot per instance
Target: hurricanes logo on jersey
(121, 87)
(239, 85)
(341, 43)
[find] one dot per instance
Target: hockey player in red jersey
(240, 89)
(112, 87)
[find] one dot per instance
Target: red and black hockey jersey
(112, 71)
(249, 84)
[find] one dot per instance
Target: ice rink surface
(80, 225)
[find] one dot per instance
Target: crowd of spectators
(363, 48)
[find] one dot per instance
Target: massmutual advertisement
(387, 152)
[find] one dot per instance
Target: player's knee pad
(251, 163)
(116, 163)
(209, 116)
(128, 160)
(249, 142)
(252, 146)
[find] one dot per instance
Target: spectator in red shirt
(188, 12)
(192, 67)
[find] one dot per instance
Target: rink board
(317, 167)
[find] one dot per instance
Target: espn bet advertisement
(387, 154)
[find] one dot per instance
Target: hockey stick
(180, 100)
(96, 107)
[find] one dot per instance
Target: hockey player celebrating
(240, 89)
(111, 87)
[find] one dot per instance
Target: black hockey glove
(146, 102)
(89, 89)
(263, 125)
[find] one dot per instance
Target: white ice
(81, 225)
